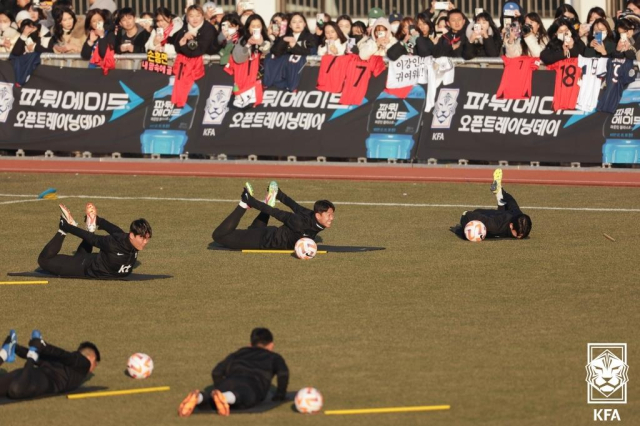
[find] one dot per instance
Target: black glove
(64, 225)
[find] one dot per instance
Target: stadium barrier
(81, 110)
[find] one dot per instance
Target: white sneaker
(66, 214)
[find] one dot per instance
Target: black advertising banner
(73, 109)
(468, 122)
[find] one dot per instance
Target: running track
(313, 170)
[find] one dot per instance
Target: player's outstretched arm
(282, 373)
(107, 226)
(280, 215)
(101, 242)
(289, 202)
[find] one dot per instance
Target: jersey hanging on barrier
(357, 78)
(620, 73)
(283, 72)
(332, 73)
(517, 76)
(246, 84)
(593, 71)
(440, 71)
(567, 89)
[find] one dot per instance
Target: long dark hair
(485, 16)
(604, 22)
(163, 12)
(542, 31)
(341, 36)
(598, 11)
(560, 11)
(306, 25)
(553, 29)
(245, 33)
(106, 17)
(58, 32)
(424, 17)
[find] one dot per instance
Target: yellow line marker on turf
(389, 410)
(117, 393)
(279, 251)
(22, 282)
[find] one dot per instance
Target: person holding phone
(437, 6)
(162, 35)
(30, 40)
(564, 42)
(381, 40)
(425, 45)
(8, 34)
(277, 26)
(230, 29)
(109, 5)
(130, 37)
(484, 38)
(407, 36)
(63, 40)
(600, 42)
(254, 41)
(298, 40)
(100, 36)
(451, 43)
(533, 38)
(334, 41)
(627, 46)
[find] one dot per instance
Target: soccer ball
(306, 248)
(140, 366)
(308, 401)
(475, 231)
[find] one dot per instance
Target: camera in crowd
(526, 29)
(192, 44)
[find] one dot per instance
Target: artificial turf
(498, 330)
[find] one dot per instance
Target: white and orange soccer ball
(140, 366)
(475, 231)
(306, 248)
(309, 401)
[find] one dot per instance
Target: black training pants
(245, 390)
(63, 265)
(249, 239)
(26, 382)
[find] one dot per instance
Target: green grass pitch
(498, 330)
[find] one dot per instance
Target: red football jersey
(332, 73)
(357, 78)
(516, 78)
(245, 75)
(568, 73)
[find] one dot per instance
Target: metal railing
(141, 6)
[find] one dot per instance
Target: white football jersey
(593, 71)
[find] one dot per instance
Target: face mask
(244, 19)
(604, 34)
(560, 37)
(394, 27)
(232, 31)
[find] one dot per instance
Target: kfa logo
(446, 106)
(124, 269)
(6, 101)
(217, 105)
(607, 378)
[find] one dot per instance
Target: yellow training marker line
(117, 393)
(279, 251)
(389, 410)
(22, 282)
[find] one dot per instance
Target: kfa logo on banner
(607, 378)
(217, 106)
(446, 106)
(6, 101)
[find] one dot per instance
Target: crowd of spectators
(40, 26)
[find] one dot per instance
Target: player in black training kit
(118, 250)
(507, 221)
(243, 379)
(48, 370)
(301, 223)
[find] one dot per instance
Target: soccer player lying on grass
(243, 379)
(301, 223)
(48, 370)
(507, 221)
(118, 250)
